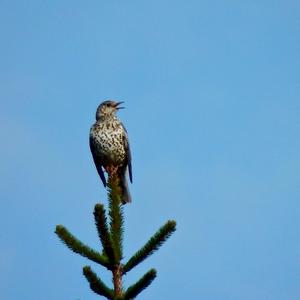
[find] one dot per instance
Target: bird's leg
(111, 170)
(107, 169)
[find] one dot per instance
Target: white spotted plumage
(110, 146)
(108, 140)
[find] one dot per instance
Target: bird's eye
(108, 105)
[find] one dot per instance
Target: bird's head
(108, 108)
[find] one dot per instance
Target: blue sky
(212, 109)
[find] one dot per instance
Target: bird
(109, 146)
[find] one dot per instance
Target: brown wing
(97, 161)
(128, 153)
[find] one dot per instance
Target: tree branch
(78, 247)
(151, 246)
(140, 285)
(117, 280)
(103, 232)
(96, 284)
(116, 216)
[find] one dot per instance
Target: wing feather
(128, 152)
(97, 161)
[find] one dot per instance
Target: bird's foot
(111, 170)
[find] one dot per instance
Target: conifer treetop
(110, 232)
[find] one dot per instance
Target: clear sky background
(212, 95)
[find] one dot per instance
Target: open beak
(119, 107)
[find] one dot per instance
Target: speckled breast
(108, 140)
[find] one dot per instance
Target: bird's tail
(126, 198)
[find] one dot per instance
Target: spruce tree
(110, 228)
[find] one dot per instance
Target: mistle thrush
(110, 147)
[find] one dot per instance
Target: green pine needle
(78, 247)
(151, 246)
(96, 284)
(116, 216)
(103, 232)
(111, 237)
(140, 285)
